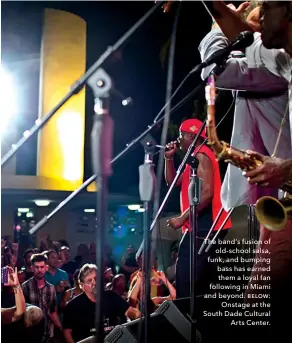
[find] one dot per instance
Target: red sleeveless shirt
(216, 201)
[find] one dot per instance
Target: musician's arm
(275, 60)
(230, 23)
(237, 74)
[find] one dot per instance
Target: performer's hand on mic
(171, 150)
(175, 223)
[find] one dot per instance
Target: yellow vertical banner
(63, 61)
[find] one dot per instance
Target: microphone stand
(78, 85)
(101, 148)
(194, 192)
(146, 189)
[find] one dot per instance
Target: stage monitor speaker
(169, 323)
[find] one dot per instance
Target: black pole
(194, 191)
(101, 148)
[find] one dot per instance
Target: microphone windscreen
(244, 40)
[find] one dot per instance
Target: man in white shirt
(257, 118)
(273, 51)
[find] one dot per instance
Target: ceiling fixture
(42, 202)
(22, 210)
(89, 210)
(133, 207)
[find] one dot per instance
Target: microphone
(244, 40)
(165, 147)
(125, 101)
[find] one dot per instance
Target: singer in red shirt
(210, 205)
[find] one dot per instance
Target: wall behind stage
(80, 229)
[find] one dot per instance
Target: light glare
(8, 98)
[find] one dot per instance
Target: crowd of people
(49, 297)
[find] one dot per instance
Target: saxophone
(270, 212)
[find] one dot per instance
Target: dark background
(137, 70)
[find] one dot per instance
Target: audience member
(129, 264)
(118, 285)
(26, 271)
(69, 266)
(72, 292)
(79, 314)
(156, 290)
(136, 292)
(56, 276)
(37, 291)
(109, 262)
(82, 256)
(171, 270)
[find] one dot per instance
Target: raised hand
(13, 280)
(162, 276)
(239, 11)
(175, 223)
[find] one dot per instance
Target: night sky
(136, 69)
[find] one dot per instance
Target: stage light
(141, 209)
(42, 203)
(8, 99)
(89, 210)
(134, 207)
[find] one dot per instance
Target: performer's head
(276, 22)
(87, 279)
(187, 132)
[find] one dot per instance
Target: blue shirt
(55, 280)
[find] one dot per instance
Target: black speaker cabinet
(169, 323)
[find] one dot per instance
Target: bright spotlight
(8, 98)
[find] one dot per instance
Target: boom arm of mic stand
(78, 85)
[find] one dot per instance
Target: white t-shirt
(257, 120)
